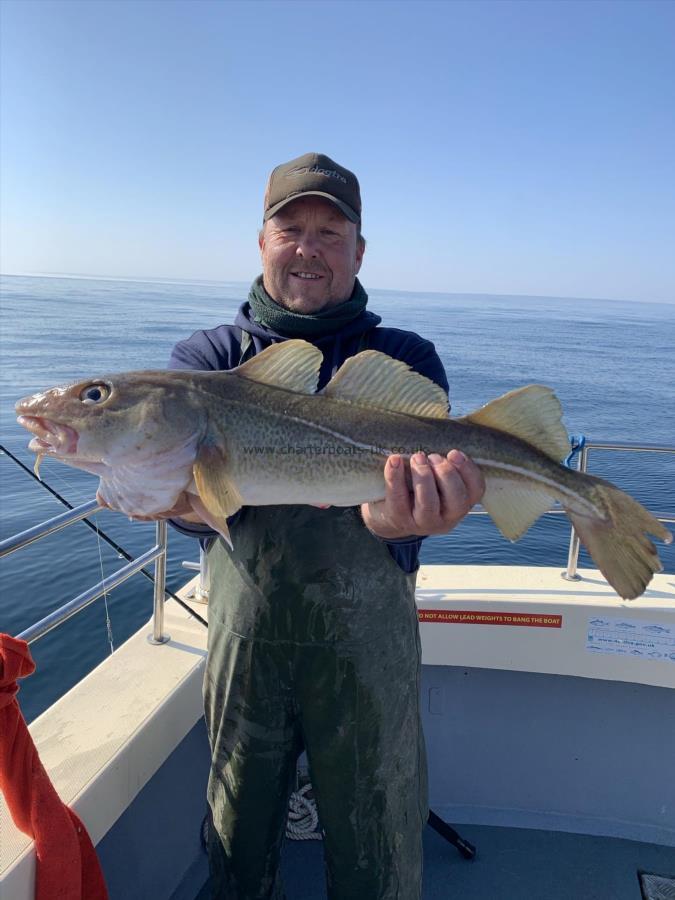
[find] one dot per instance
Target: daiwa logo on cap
(313, 173)
(316, 170)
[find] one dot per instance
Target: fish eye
(95, 393)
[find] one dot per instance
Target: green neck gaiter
(267, 312)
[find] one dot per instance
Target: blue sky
(516, 148)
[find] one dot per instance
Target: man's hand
(182, 509)
(438, 494)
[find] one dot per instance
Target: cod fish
(261, 434)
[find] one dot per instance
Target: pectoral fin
(217, 523)
(217, 492)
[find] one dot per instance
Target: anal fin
(513, 505)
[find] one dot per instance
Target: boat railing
(157, 554)
(201, 590)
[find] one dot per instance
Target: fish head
(127, 419)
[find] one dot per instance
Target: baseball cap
(313, 174)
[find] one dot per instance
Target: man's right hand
(438, 493)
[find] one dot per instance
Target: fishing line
(102, 534)
(75, 490)
(108, 621)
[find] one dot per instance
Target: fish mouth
(50, 438)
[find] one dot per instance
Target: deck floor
(510, 864)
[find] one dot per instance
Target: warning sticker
(631, 637)
(479, 617)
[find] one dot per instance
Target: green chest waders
(314, 644)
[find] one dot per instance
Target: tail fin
(618, 543)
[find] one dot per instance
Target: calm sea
(611, 364)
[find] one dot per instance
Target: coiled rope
(303, 818)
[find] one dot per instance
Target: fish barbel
(260, 434)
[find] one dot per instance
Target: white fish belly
(149, 488)
(312, 483)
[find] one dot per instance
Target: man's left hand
(435, 497)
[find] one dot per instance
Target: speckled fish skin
(235, 441)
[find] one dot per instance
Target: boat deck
(587, 736)
(511, 864)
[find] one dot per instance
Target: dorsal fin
(293, 365)
(532, 413)
(372, 378)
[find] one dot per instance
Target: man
(313, 638)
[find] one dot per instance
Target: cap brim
(344, 208)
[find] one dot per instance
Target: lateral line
(495, 464)
(536, 476)
(339, 436)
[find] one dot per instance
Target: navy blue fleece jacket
(220, 348)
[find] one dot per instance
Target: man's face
(310, 255)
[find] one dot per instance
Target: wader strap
(245, 344)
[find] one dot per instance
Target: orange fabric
(67, 865)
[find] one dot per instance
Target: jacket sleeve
(424, 359)
(419, 353)
(208, 351)
(185, 355)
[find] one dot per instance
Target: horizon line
(210, 281)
